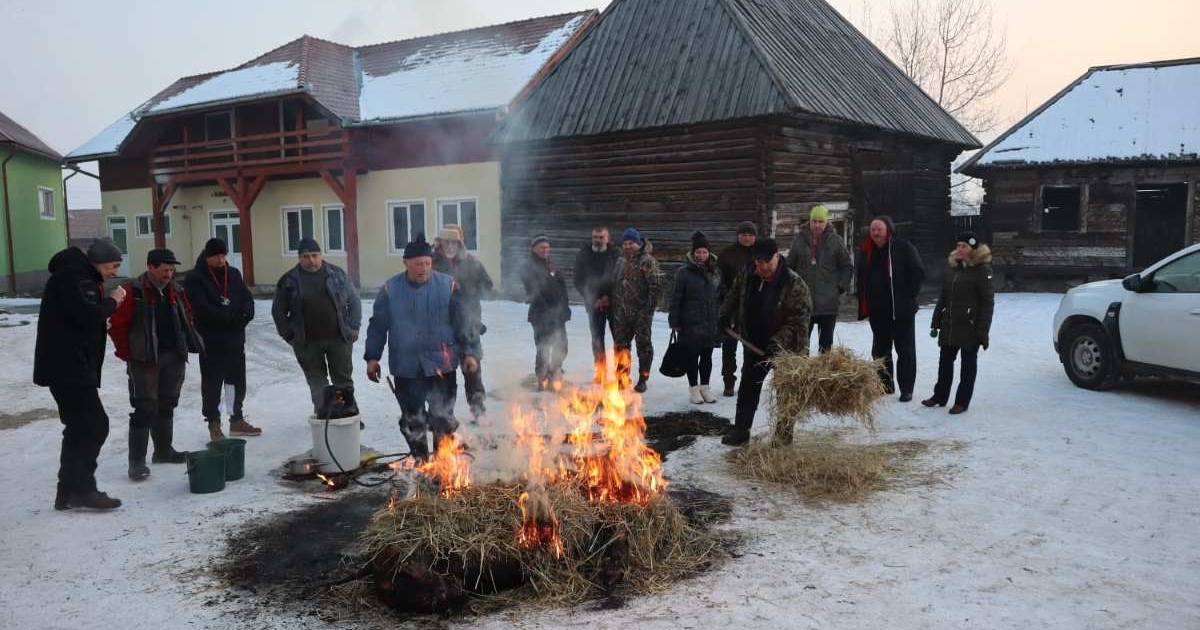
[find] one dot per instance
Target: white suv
(1146, 324)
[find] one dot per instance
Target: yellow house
(361, 148)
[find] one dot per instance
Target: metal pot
(303, 466)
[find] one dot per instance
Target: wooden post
(243, 194)
(159, 198)
(347, 192)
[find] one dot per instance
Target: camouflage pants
(624, 332)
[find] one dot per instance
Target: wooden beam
(350, 229)
(246, 239)
(335, 185)
(160, 197)
(231, 191)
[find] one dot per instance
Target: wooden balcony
(280, 153)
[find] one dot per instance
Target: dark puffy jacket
(593, 273)
(546, 293)
(695, 306)
(287, 309)
(71, 320)
(963, 314)
(830, 276)
(792, 312)
(906, 273)
(473, 280)
(134, 325)
(223, 325)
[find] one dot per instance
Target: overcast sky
(71, 67)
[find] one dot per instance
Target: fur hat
(450, 232)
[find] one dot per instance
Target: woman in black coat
(962, 319)
(695, 310)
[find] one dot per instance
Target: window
(218, 126)
(143, 225)
(463, 212)
(334, 229)
(119, 233)
(297, 224)
(1060, 208)
(46, 202)
(1179, 276)
(406, 219)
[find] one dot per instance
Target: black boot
(736, 437)
(162, 434)
(729, 382)
(139, 439)
(93, 500)
(62, 497)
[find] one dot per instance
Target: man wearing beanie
(890, 274)
(67, 358)
(549, 312)
(317, 311)
(593, 275)
(637, 289)
(450, 256)
(153, 332)
(732, 261)
(224, 306)
(819, 256)
(421, 317)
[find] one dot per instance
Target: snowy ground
(1067, 509)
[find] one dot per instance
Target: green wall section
(35, 239)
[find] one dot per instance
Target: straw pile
(461, 553)
(837, 383)
(821, 467)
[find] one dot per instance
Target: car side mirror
(1133, 282)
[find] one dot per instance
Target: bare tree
(955, 52)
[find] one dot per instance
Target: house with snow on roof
(362, 148)
(33, 217)
(1100, 181)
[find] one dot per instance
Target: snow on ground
(1067, 508)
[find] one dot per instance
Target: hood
(981, 255)
(711, 264)
(72, 258)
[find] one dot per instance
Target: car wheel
(1087, 357)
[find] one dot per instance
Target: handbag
(674, 361)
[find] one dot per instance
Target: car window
(1180, 276)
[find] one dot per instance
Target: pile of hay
(436, 554)
(821, 467)
(837, 383)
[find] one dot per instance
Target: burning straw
(837, 383)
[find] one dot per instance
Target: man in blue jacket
(422, 318)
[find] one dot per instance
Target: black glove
(482, 329)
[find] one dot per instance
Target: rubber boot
(162, 434)
(139, 439)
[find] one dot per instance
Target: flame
(539, 526)
(328, 481)
(450, 465)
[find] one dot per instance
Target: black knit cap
(747, 227)
(418, 248)
(103, 250)
(764, 249)
(215, 247)
(699, 240)
(968, 237)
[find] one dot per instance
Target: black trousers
(699, 364)
(217, 367)
(85, 427)
(901, 335)
(754, 371)
(825, 323)
(154, 390)
(729, 348)
(598, 322)
(550, 343)
(966, 381)
(426, 404)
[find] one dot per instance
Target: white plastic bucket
(343, 442)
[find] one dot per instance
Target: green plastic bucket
(206, 471)
(235, 456)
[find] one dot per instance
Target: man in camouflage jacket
(637, 289)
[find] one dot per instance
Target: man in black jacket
(890, 274)
(593, 279)
(549, 311)
(68, 355)
(223, 305)
(731, 261)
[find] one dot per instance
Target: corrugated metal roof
(1126, 113)
(652, 63)
(12, 132)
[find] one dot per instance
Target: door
(118, 231)
(228, 227)
(1160, 326)
(1159, 223)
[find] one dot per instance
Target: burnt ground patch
(16, 420)
(678, 429)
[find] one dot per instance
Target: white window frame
(326, 209)
(137, 232)
(108, 229)
(42, 208)
(283, 226)
(391, 205)
(458, 200)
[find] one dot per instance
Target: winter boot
(139, 439)
(214, 431)
(694, 395)
(706, 394)
(729, 390)
(93, 500)
(162, 434)
(957, 409)
(239, 426)
(933, 402)
(62, 497)
(736, 437)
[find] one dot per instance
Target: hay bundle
(837, 383)
(819, 466)
(442, 554)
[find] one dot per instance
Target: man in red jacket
(153, 331)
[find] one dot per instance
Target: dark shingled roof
(10, 131)
(654, 63)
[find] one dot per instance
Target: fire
(450, 465)
(539, 526)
